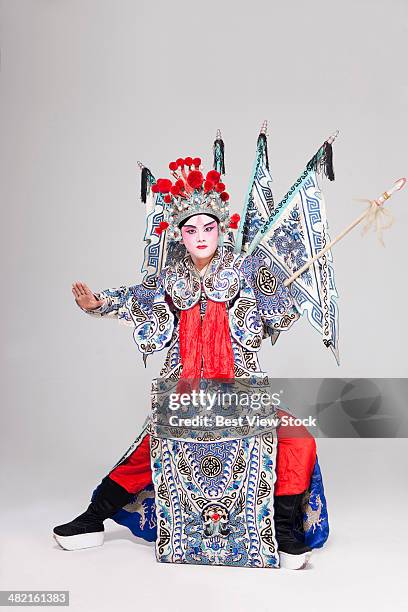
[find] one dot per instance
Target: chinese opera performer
(213, 290)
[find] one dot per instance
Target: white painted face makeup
(200, 237)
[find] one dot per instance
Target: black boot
(293, 554)
(87, 529)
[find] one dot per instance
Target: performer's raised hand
(84, 297)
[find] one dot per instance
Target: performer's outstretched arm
(107, 303)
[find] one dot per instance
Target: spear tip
(400, 183)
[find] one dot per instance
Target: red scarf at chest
(206, 343)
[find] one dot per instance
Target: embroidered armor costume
(214, 502)
(259, 306)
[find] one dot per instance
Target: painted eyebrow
(205, 225)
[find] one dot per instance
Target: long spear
(372, 214)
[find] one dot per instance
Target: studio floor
(361, 567)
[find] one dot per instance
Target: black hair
(208, 215)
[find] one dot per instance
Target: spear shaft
(379, 202)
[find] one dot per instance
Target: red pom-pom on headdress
(213, 176)
(180, 162)
(163, 225)
(173, 166)
(188, 161)
(208, 185)
(197, 162)
(167, 197)
(234, 220)
(164, 185)
(224, 196)
(219, 187)
(195, 179)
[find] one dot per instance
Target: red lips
(202, 246)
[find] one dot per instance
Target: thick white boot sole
(82, 540)
(293, 562)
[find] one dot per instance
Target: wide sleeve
(145, 308)
(118, 301)
(275, 303)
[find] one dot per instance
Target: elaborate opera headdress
(192, 193)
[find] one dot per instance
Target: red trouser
(295, 461)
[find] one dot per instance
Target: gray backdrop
(89, 87)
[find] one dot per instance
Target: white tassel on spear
(374, 213)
